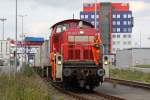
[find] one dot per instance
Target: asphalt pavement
(123, 91)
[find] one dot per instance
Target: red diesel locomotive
(71, 54)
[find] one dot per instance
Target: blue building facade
(122, 21)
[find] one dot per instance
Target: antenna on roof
(73, 15)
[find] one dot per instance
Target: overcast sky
(41, 14)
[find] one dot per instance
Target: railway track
(84, 96)
(129, 83)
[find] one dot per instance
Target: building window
(118, 29)
(129, 15)
(6, 47)
(118, 36)
(129, 22)
(114, 49)
(129, 29)
(97, 23)
(124, 42)
(93, 16)
(118, 49)
(129, 42)
(129, 36)
(124, 36)
(114, 29)
(97, 16)
(82, 16)
(114, 42)
(114, 15)
(1, 47)
(124, 15)
(118, 22)
(124, 22)
(124, 29)
(93, 23)
(118, 42)
(114, 22)
(118, 15)
(86, 16)
(114, 36)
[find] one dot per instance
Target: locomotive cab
(74, 64)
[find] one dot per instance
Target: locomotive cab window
(65, 27)
(59, 29)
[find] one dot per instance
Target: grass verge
(130, 75)
(26, 86)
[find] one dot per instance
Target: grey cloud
(57, 3)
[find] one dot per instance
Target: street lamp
(23, 46)
(3, 20)
(22, 16)
(16, 39)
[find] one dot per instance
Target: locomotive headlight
(106, 62)
(59, 62)
(81, 32)
(11, 55)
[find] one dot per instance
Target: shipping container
(42, 56)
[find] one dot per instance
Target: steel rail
(107, 96)
(129, 83)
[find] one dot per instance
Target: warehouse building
(114, 21)
(132, 57)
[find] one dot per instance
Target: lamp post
(16, 39)
(23, 45)
(3, 20)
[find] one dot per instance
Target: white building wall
(4, 49)
(124, 58)
(121, 41)
(132, 57)
(141, 56)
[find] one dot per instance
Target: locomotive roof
(72, 20)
